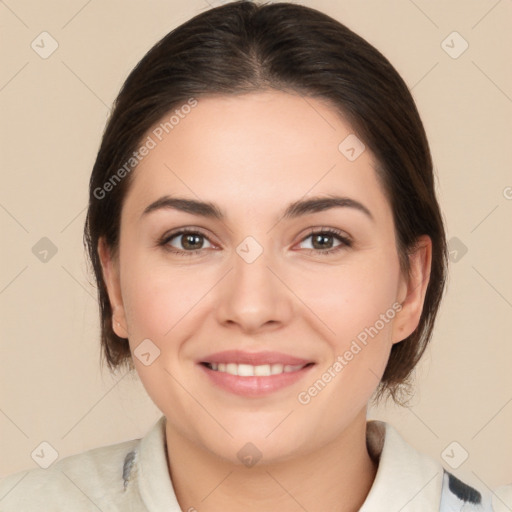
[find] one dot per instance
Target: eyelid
(326, 229)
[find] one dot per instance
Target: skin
(252, 155)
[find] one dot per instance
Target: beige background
(53, 112)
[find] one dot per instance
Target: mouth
(254, 374)
(249, 370)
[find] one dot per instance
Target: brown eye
(327, 241)
(185, 242)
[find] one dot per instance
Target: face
(268, 315)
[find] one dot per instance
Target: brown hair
(243, 47)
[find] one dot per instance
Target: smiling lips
(254, 374)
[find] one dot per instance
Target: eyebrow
(294, 210)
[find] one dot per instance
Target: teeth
(245, 370)
(263, 370)
(249, 370)
(277, 368)
(231, 368)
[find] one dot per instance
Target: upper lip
(254, 358)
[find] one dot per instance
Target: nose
(254, 296)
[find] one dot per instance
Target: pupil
(321, 239)
(190, 240)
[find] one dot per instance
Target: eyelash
(345, 241)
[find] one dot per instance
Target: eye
(322, 241)
(185, 241)
(190, 241)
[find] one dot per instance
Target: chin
(269, 445)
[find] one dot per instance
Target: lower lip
(254, 386)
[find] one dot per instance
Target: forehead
(253, 150)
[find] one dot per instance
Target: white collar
(406, 480)
(154, 480)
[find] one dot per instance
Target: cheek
(159, 303)
(351, 297)
(156, 300)
(157, 292)
(357, 302)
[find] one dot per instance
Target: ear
(110, 268)
(412, 289)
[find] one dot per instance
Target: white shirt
(133, 476)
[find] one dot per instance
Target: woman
(270, 256)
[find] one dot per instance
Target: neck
(335, 478)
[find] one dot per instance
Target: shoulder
(458, 495)
(73, 483)
(409, 480)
